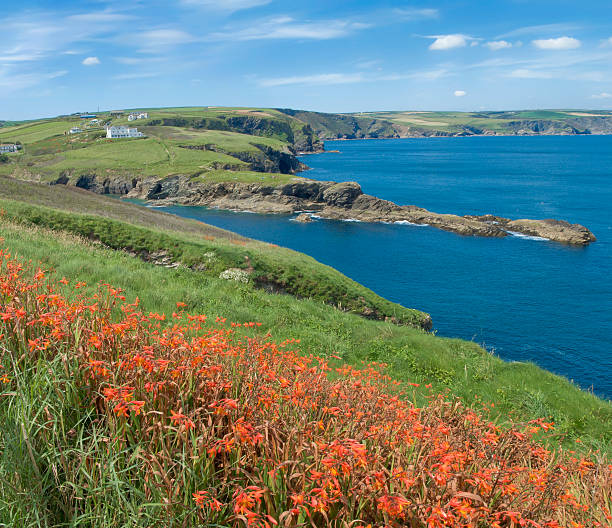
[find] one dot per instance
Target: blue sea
(522, 298)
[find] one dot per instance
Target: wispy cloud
(98, 17)
(560, 43)
(496, 45)
(602, 95)
(226, 5)
(352, 78)
(12, 82)
(157, 40)
(286, 27)
(460, 93)
(448, 42)
(135, 75)
(525, 73)
(546, 29)
(319, 79)
(134, 61)
(415, 14)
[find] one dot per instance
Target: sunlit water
(525, 299)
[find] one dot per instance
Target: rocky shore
(344, 201)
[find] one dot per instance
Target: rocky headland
(344, 201)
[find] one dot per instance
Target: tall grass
(460, 367)
(126, 417)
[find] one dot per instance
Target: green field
(207, 144)
(499, 122)
(82, 221)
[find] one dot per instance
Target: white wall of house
(8, 148)
(138, 115)
(122, 132)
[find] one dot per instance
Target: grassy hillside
(219, 144)
(463, 368)
(113, 416)
(195, 246)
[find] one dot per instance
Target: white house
(9, 148)
(122, 132)
(75, 130)
(138, 115)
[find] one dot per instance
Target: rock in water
(303, 218)
(557, 230)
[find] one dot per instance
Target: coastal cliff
(345, 201)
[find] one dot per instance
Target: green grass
(269, 266)
(219, 155)
(32, 132)
(262, 178)
(460, 367)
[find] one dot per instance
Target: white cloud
(606, 42)
(560, 43)
(227, 5)
(91, 61)
(495, 45)
(524, 73)
(285, 27)
(460, 93)
(602, 95)
(447, 42)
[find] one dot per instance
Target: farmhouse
(75, 130)
(9, 148)
(138, 115)
(122, 132)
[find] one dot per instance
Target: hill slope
(461, 367)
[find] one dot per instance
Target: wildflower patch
(234, 429)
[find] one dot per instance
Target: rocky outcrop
(303, 218)
(98, 184)
(345, 201)
(557, 230)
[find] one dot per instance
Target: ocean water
(523, 298)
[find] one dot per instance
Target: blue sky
(64, 56)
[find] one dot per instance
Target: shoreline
(344, 201)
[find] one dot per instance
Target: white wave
(526, 237)
(406, 222)
(350, 220)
